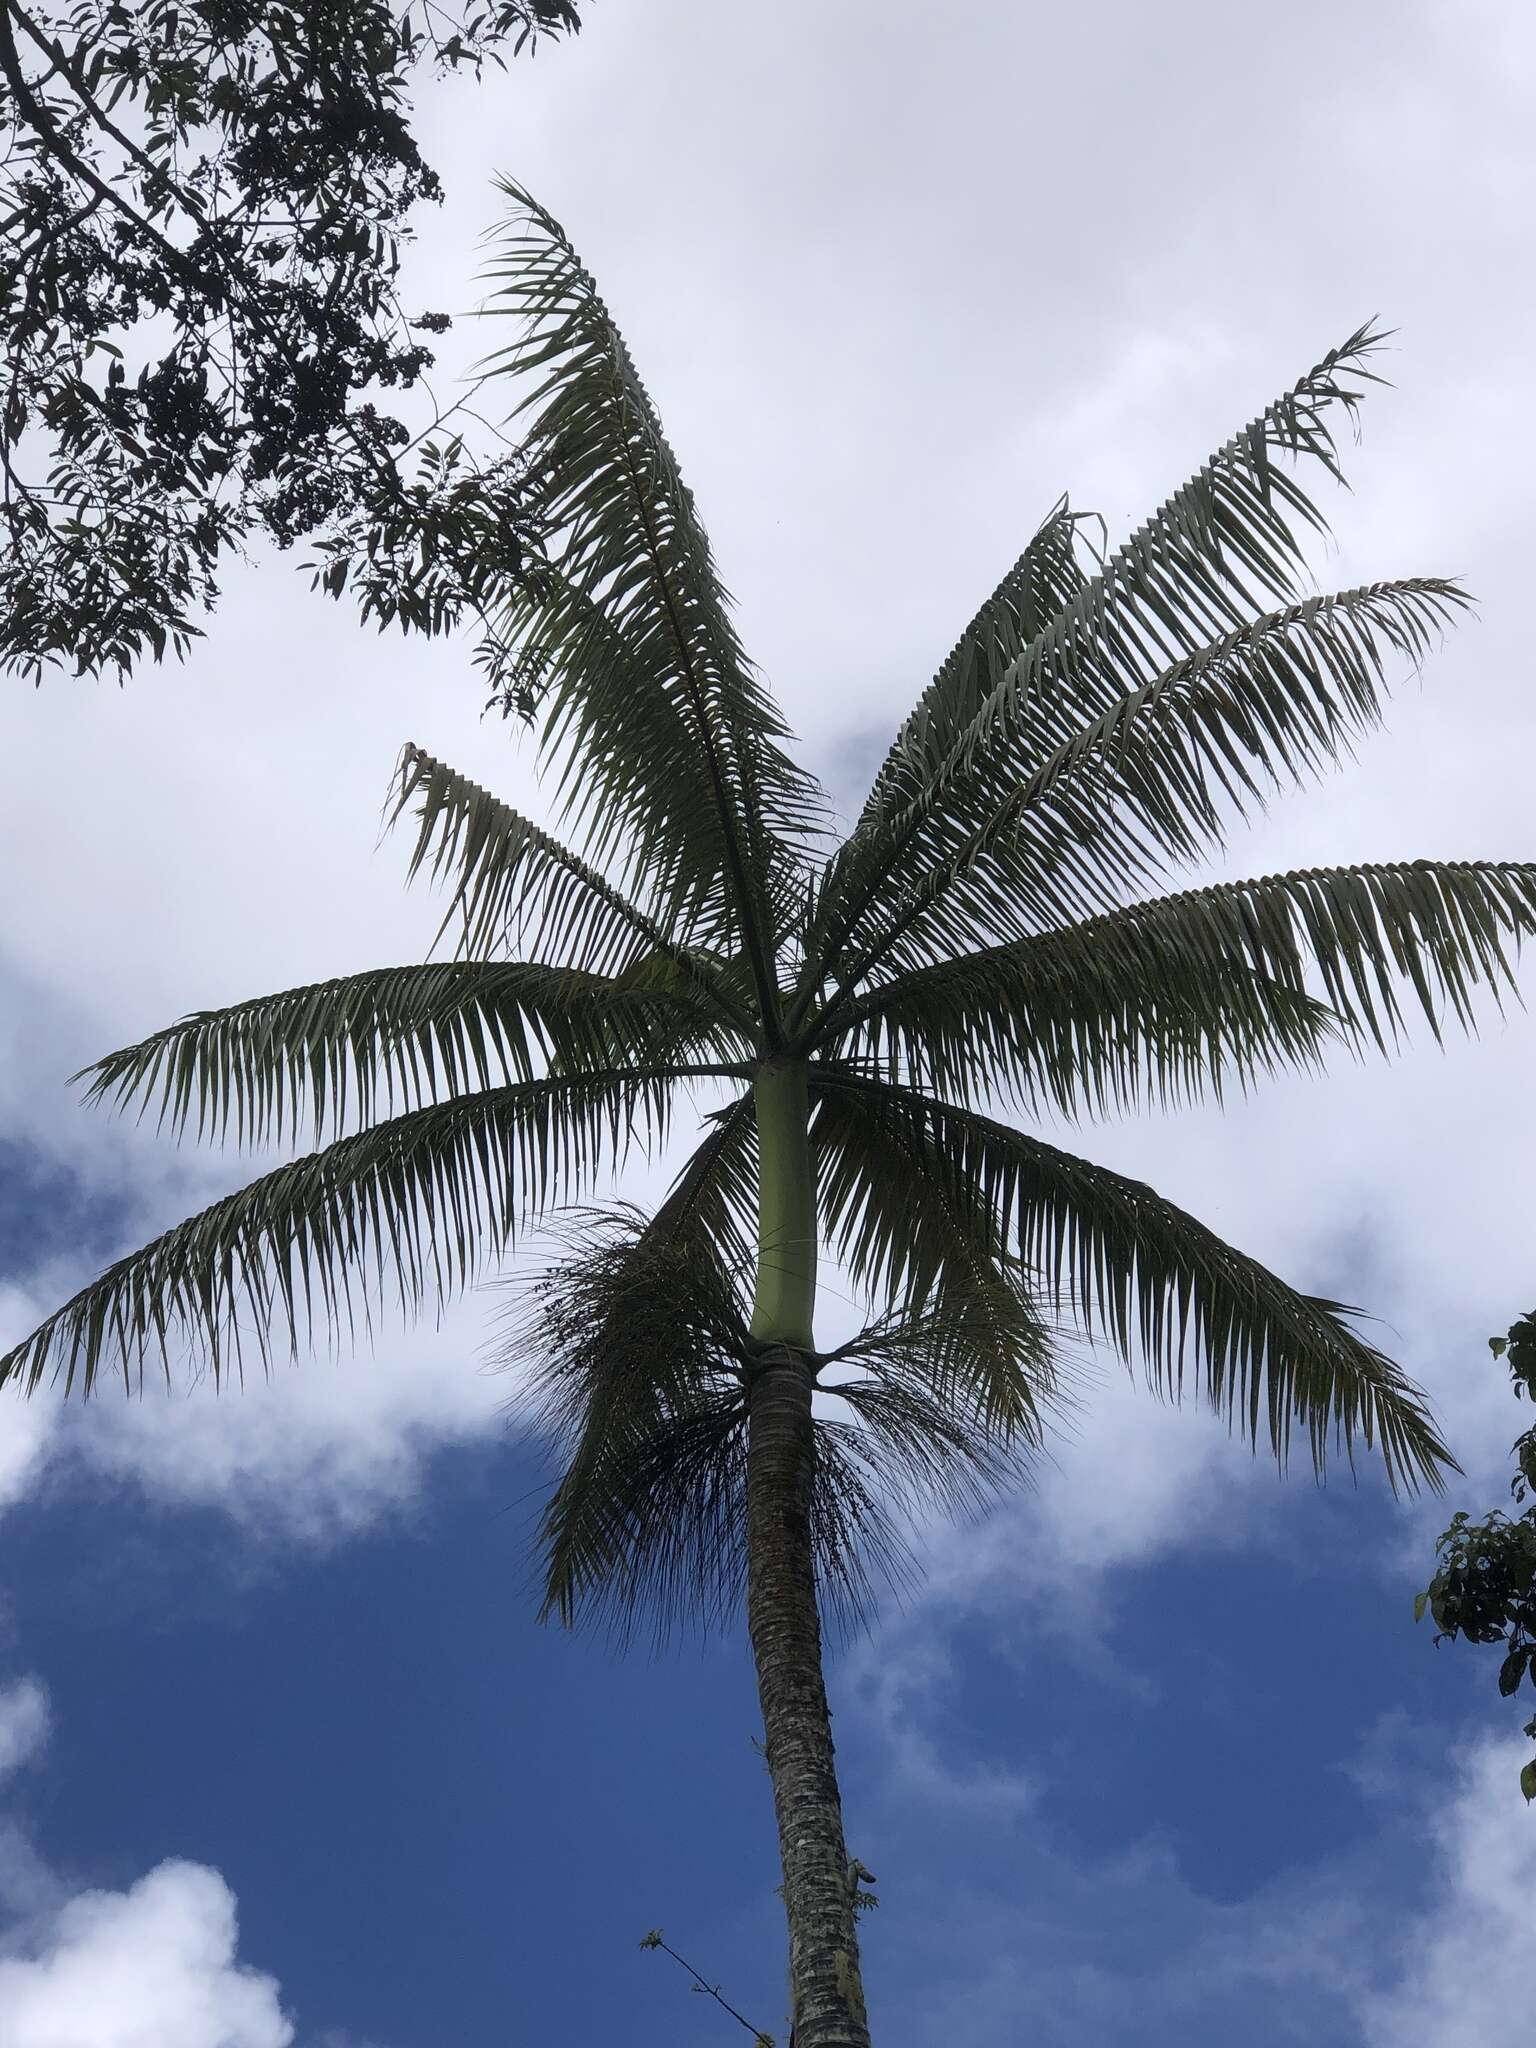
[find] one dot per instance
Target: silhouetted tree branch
(203, 205)
(1484, 1586)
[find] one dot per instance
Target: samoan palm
(982, 939)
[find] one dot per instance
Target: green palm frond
(1164, 998)
(636, 1339)
(1156, 1283)
(371, 1044)
(923, 1453)
(1224, 546)
(981, 1348)
(715, 1194)
(645, 682)
(1039, 586)
(1154, 780)
(1057, 1027)
(912, 1234)
(510, 883)
(415, 1205)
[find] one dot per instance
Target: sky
(1155, 1752)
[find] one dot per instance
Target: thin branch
(654, 1940)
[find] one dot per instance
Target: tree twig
(654, 1940)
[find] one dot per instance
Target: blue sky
(1155, 1754)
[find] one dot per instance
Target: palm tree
(857, 1014)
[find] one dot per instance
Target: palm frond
(414, 1205)
(510, 883)
(636, 1339)
(1165, 998)
(1054, 1026)
(397, 1038)
(715, 1194)
(924, 1455)
(1153, 780)
(1228, 543)
(1039, 586)
(1159, 1285)
(981, 1348)
(646, 686)
(927, 1246)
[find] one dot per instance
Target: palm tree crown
(985, 948)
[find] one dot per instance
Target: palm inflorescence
(992, 945)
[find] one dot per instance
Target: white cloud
(23, 1723)
(891, 1681)
(155, 1966)
(1416, 1937)
(1465, 1965)
(26, 1428)
(322, 1448)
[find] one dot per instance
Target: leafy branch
(201, 334)
(1484, 1587)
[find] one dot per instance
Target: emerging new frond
(1041, 583)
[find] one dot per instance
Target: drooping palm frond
(1165, 998)
(983, 1350)
(633, 1341)
(637, 1341)
(1161, 1286)
(919, 1240)
(715, 1194)
(415, 1205)
(397, 1038)
(645, 683)
(1190, 579)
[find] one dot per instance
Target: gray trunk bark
(825, 1987)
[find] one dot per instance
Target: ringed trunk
(826, 1991)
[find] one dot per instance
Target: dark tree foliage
(203, 205)
(1484, 1587)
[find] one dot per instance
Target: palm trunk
(826, 1994)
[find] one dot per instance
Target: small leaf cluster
(430, 551)
(1484, 1587)
(204, 204)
